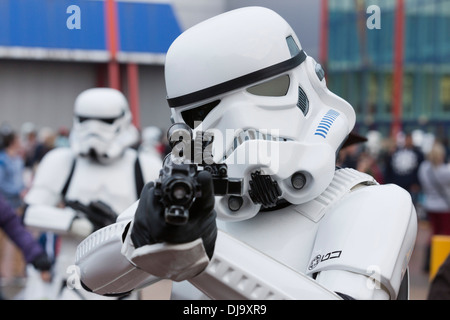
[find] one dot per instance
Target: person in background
(151, 141)
(434, 176)
(440, 285)
(62, 138)
(29, 135)
(12, 185)
(348, 157)
(46, 142)
(402, 165)
(357, 154)
(12, 188)
(32, 251)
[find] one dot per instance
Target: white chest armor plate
(299, 224)
(274, 255)
(113, 184)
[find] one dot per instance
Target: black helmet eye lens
(193, 117)
(277, 87)
(110, 120)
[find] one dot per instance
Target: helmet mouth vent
(252, 134)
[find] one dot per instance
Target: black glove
(42, 262)
(150, 226)
(98, 212)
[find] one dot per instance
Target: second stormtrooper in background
(80, 189)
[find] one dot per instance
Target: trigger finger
(206, 201)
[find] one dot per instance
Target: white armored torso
(113, 183)
(341, 229)
(62, 176)
(254, 260)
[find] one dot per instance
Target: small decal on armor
(314, 262)
(319, 258)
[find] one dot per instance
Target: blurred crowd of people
(26, 147)
(407, 161)
(20, 153)
(401, 161)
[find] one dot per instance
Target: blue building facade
(78, 30)
(361, 61)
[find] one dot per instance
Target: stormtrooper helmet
(102, 127)
(244, 76)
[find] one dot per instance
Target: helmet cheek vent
(303, 102)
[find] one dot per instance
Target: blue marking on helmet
(326, 123)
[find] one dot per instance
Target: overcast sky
(302, 15)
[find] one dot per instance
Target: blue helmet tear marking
(326, 123)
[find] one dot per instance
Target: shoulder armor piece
(370, 231)
(344, 181)
(51, 176)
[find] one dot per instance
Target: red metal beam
(112, 38)
(133, 92)
(397, 90)
(323, 54)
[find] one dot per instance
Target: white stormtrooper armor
(302, 229)
(99, 166)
